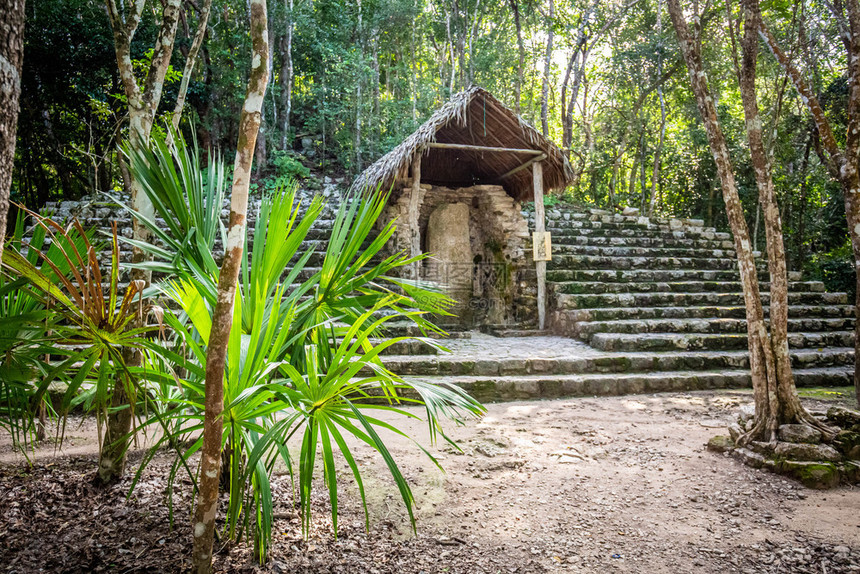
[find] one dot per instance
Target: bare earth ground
(615, 484)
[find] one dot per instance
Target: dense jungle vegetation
(350, 79)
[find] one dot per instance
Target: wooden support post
(414, 205)
(540, 227)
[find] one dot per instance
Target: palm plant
(94, 325)
(302, 358)
(29, 332)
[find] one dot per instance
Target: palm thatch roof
(472, 117)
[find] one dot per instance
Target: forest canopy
(351, 79)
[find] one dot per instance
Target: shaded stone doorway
(448, 239)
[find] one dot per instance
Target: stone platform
(514, 368)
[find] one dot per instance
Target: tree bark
(779, 404)
(142, 107)
(842, 163)
(547, 62)
(761, 358)
(190, 60)
(287, 75)
(222, 316)
(521, 51)
(11, 59)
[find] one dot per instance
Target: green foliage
(288, 166)
(303, 357)
(86, 322)
(836, 269)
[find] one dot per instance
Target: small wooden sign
(542, 246)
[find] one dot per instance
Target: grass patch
(827, 393)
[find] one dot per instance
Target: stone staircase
(639, 305)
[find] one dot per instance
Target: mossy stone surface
(817, 475)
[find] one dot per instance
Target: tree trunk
(521, 51)
(779, 405)
(761, 358)
(11, 58)
(842, 164)
(547, 62)
(222, 316)
(360, 76)
(190, 59)
(142, 107)
(114, 448)
(655, 176)
(287, 75)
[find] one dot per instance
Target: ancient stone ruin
(631, 304)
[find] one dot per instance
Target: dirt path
(616, 484)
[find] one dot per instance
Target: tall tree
(142, 102)
(521, 55)
(222, 315)
(547, 67)
(776, 399)
(142, 107)
(190, 59)
(841, 162)
(11, 58)
(286, 73)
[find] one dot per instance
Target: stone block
(721, 444)
(843, 417)
(799, 434)
(806, 452)
(817, 475)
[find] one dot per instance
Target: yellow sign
(542, 246)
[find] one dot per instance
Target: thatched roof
(472, 117)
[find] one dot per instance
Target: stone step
(649, 275)
(568, 317)
(610, 217)
(620, 263)
(620, 342)
(586, 329)
(668, 299)
(574, 287)
(644, 226)
(671, 242)
(627, 251)
(638, 232)
(508, 388)
(445, 365)
(408, 347)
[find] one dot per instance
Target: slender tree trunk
(142, 107)
(547, 63)
(11, 59)
(521, 51)
(655, 176)
(359, 80)
(781, 404)
(761, 358)
(190, 59)
(842, 163)
(222, 316)
(286, 74)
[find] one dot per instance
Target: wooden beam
(540, 226)
(540, 157)
(414, 207)
(483, 148)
